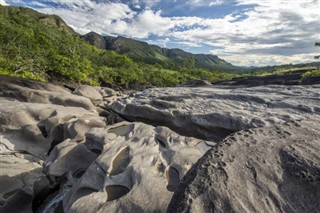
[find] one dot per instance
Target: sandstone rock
(27, 133)
(26, 90)
(69, 157)
(106, 92)
(89, 92)
(138, 169)
(271, 169)
(33, 119)
(33, 127)
(214, 112)
(20, 175)
(196, 83)
(290, 78)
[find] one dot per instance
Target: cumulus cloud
(270, 33)
(204, 3)
(3, 2)
(257, 32)
(216, 2)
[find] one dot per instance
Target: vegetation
(317, 56)
(42, 47)
(279, 69)
(152, 54)
(311, 74)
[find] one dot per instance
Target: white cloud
(204, 3)
(150, 22)
(273, 32)
(99, 17)
(215, 3)
(267, 32)
(3, 2)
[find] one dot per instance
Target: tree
(317, 56)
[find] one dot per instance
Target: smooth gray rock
(137, 171)
(270, 169)
(33, 119)
(25, 90)
(89, 92)
(214, 112)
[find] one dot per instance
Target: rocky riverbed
(209, 148)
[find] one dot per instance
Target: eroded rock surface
(43, 140)
(61, 152)
(89, 92)
(137, 171)
(33, 119)
(214, 112)
(26, 90)
(271, 169)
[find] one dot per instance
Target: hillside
(152, 54)
(43, 47)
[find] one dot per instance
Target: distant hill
(152, 54)
(43, 47)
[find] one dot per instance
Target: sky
(242, 32)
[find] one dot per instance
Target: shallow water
(52, 203)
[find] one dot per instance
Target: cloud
(255, 32)
(215, 3)
(3, 2)
(150, 22)
(88, 16)
(204, 3)
(270, 32)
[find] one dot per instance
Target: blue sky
(243, 32)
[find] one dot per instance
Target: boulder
(69, 158)
(270, 169)
(196, 83)
(26, 90)
(89, 92)
(21, 176)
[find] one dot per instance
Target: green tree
(317, 56)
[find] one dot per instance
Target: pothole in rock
(122, 130)
(116, 191)
(94, 146)
(173, 179)
(78, 173)
(120, 161)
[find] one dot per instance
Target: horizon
(242, 32)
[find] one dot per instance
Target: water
(51, 205)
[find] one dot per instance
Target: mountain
(43, 47)
(152, 54)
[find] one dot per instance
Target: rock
(136, 160)
(69, 157)
(196, 83)
(33, 119)
(26, 90)
(28, 131)
(33, 127)
(289, 78)
(270, 169)
(89, 92)
(57, 154)
(213, 112)
(21, 176)
(106, 92)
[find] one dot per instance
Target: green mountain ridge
(153, 54)
(43, 47)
